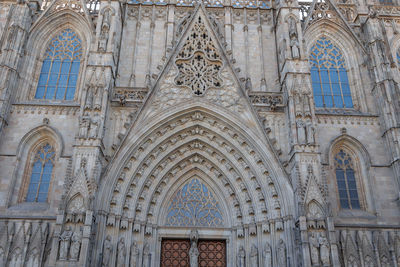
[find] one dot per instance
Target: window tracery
(60, 68)
(346, 181)
(194, 205)
(199, 62)
(329, 76)
(41, 172)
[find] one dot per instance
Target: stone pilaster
(13, 42)
(385, 89)
(304, 163)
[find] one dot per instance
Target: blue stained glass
(346, 182)
(41, 174)
(327, 62)
(194, 205)
(50, 92)
(62, 58)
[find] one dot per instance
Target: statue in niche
(12, 37)
(104, 31)
(146, 255)
(241, 257)
(107, 251)
(254, 256)
(310, 129)
(267, 255)
(294, 47)
(193, 254)
(294, 39)
(248, 85)
(314, 249)
(94, 126)
(282, 254)
(89, 97)
(134, 254)
(301, 133)
(84, 126)
(324, 250)
(65, 240)
(98, 97)
(76, 240)
(121, 253)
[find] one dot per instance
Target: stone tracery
(198, 62)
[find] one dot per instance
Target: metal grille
(175, 253)
(212, 253)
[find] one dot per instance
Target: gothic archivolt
(159, 158)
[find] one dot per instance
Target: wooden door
(175, 253)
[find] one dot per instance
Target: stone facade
(199, 121)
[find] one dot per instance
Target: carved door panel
(212, 253)
(175, 253)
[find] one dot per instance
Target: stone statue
(254, 256)
(301, 134)
(121, 253)
(94, 127)
(107, 251)
(282, 254)
(241, 257)
(83, 127)
(76, 240)
(65, 239)
(310, 129)
(193, 254)
(294, 45)
(314, 250)
(324, 250)
(89, 97)
(292, 28)
(146, 255)
(98, 98)
(134, 254)
(104, 32)
(248, 85)
(267, 255)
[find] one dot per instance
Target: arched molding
(350, 49)
(179, 183)
(148, 138)
(362, 164)
(28, 145)
(41, 34)
(233, 172)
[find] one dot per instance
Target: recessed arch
(204, 180)
(41, 34)
(361, 163)
(167, 124)
(349, 47)
(29, 144)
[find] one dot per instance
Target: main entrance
(175, 253)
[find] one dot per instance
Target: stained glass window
(398, 57)
(194, 205)
(329, 76)
(60, 68)
(41, 174)
(346, 181)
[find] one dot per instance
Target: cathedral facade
(238, 133)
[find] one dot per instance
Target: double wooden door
(175, 253)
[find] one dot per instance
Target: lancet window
(346, 181)
(194, 205)
(329, 76)
(60, 69)
(41, 172)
